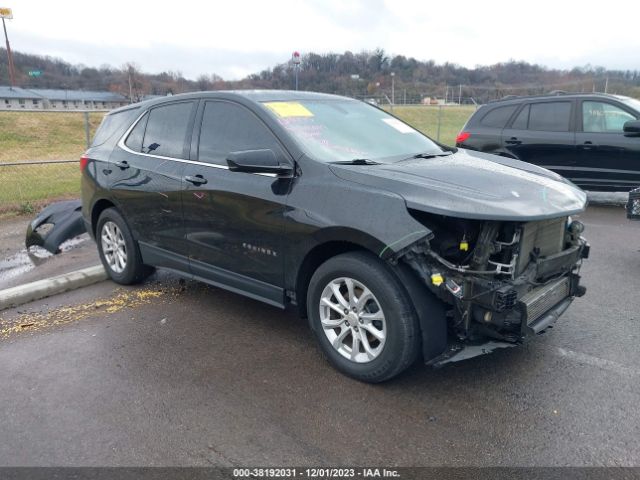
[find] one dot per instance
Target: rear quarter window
(112, 123)
(498, 117)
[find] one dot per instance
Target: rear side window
(498, 117)
(166, 130)
(227, 127)
(550, 116)
(113, 123)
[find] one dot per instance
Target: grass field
(425, 119)
(44, 135)
(40, 136)
(35, 136)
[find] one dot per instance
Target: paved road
(184, 374)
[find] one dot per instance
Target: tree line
(362, 74)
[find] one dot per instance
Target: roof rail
(552, 93)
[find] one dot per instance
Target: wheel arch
(312, 260)
(99, 207)
(431, 311)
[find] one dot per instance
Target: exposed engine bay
(504, 282)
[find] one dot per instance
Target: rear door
(542, 133)
(606, 158)
(234, 221)
(485, 131)
(146, 178)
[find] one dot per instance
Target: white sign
(6, 13)
(398, 125)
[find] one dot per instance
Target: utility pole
(393, 88)
(130, 85)
(606, 85)
(460, 95)
(6, 13)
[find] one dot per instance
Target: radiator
(546, 235)
(542, 299)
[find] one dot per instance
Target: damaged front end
(503, 282)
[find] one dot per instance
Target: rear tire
(362, 317)
(119, 252)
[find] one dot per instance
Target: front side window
(498, 117)
(345, 130)
(227, 127)
(603, 117)
(167, 129)
(550, 116)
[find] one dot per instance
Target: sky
(239, 37)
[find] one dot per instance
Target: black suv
(392, 245)
(591, 139)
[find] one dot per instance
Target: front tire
(362, 317)
(118, 250)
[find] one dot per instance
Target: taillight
(462, 136)
(83, 162)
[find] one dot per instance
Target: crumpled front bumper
(537, 311)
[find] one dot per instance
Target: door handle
(123, 165)
(196, 179)
(588, 145)
(513, 141)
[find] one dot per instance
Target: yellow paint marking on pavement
(30, 322)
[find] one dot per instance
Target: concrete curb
(14, 296)
(608, 198)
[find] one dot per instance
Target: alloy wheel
(353, 320)
(114, 247)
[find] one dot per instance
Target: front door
(234, 221)
(606, 158)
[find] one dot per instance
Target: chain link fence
(40, 151)
(39, 157)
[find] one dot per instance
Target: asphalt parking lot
(175, 373)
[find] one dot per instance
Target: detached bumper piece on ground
(633, 205)
(55, 224)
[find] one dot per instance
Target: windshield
(346, 130)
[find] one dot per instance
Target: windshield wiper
(429, 155)
(357, 161)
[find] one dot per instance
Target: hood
(473, 185)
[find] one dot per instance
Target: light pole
(393, 88)
(6, 13)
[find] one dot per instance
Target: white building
(18, 98)
(14, 98)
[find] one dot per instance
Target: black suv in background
(392, 245)
(591, 139)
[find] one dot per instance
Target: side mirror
(632, 128)
(257, 161)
